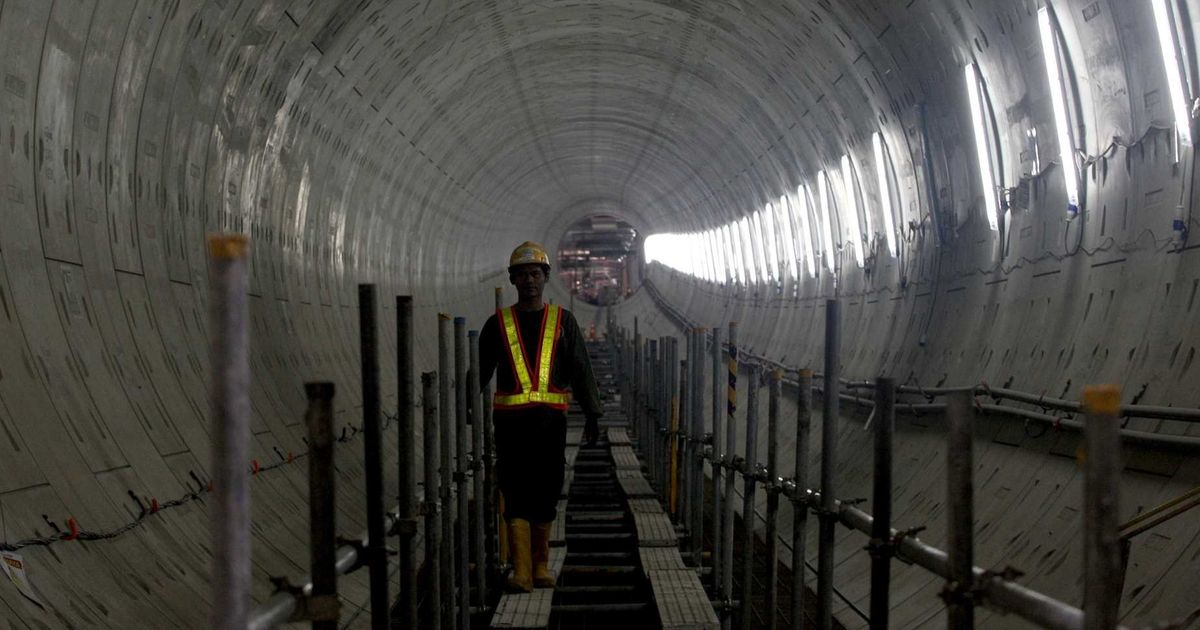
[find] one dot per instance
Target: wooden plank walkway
(529, 610)
(681, 601)
(679, 597)
(625, 459)
(634, 484)
(618, 436)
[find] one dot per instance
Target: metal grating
(681, 601)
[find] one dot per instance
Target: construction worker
(540, 350)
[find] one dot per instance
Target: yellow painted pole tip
(228, 246)
(806, 373)
(1102, 400)
(777, 374)
(445, 317)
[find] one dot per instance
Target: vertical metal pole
(730, 478)
(433, 522)
(799, 501)
(697, 501)
(718, 455)
(666, 391)
(406, 436)
(377, 562)
(478, 468)
(463, 531)
(959, 511)
(772, 537)
(648, 438)
(638, 385)
(322, 510)
(499, 531)
(682, 441)
(1102, 561)
(229, 408)
(445, 372)
(881, 502)
(748, 490)
(828, 519)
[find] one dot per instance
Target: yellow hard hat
(528, 253)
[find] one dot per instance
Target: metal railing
(455, 462)
(652, 388)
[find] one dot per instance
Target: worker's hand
(591, 430)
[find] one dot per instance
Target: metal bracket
(308, 607)
(404, 527)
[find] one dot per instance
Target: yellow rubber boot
(540, 550)
(521, 579)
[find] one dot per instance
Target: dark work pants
(530, 446)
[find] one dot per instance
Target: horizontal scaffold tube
(994, 590)
(279, 608)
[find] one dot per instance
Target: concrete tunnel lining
(413, 145)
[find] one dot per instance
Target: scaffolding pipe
(446, 447)
(800, 508)
(959, 512)
(462, 555)
(826, 515)
(718, 456)
(377, 560)
(478, 470)
(433, 503)
(284, 604)
(772, 490)
(731, 449)
(498, 532)
(229, 410)
(323, 604)
(748, 490)
(1102, 565)
(881, 503)
(406, 436)
(683, 446)
(697, 501)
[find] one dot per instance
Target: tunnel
(997, 193)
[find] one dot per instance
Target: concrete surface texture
(413, 144)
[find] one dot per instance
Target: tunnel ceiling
(683, 113)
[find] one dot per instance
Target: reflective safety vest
(536, 388)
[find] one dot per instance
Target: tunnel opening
(597, 259)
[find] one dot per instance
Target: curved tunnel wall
(413, 144)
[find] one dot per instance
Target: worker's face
(530, 280)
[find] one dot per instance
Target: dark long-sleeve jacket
(571, 365)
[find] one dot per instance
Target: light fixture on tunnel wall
(985, 147)
(882, 170)
(801, 202)
(735, 267)
(826, 221)
(1052, 55)
(783, 218)
(1167, 22)
(760, 247)
(747, 248)
(849, 209)
(771, 236)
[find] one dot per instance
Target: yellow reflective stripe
(514, 349)
(547, 348)
(552, 398)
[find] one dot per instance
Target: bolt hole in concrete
(598, 261)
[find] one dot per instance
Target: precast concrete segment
(402, 144)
